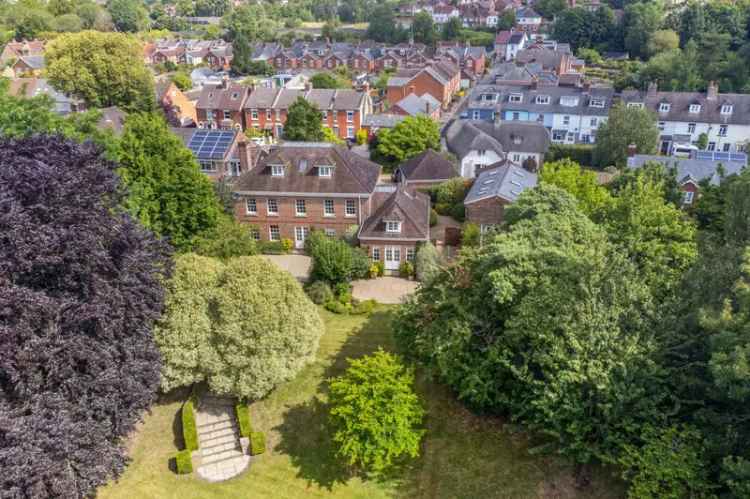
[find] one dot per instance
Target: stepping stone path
(221, 456)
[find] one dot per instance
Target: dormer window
(664, 107)
(599, 103)
(515, 98)
(695, 108)
(542, 99)
(637, 105)
(726, 109)
(325, 171)
(394, 227)
(277, 170)
(569, 101)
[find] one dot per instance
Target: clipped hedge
(243, 419)
(257, 443)
(184, 462)
(189, 430)
(319, 292)
(580, 153)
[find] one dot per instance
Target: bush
(227, 240)
(272, 248)
(243, 419)
(319, 292)
(338, 308)
(189, 430)
(406, 269)
(381, 268)
(581, 154)
(364, 307)
(427, 262)
(433, 217)
(343, 292)
(257, 443)
(373, 271)
(458, 211)
(361, 136)
(334, 261)
(470, 235)
(375, 413)
(287, 245)
(448, 198)
(184, 462)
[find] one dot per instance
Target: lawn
(464, 456)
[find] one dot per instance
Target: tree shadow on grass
(305, 433)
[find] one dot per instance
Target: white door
(392, 257)
(300, 234)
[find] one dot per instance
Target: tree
(383, 27)
(167, 191)
(410, 137)
(250, 20)
(423, 28)
(243, 326)
(182, 80)
(104, 69)
(375, 413)
(28, 22)
(128, 15)
(427, 262)
(663, 40)
(582, 184)
(452, 29)
(335, 261)
(327, 80)
(625, 126)
(70, 23)
(507, 20)
(80, 287)
(550, 8)
(304, 122)
(641, 21)
(229, 239)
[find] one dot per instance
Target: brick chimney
(225, 82)
(632, 149)
(534, 83)
(712, 92)
(653, 87)
(244, 151)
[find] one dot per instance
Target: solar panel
(211, 144)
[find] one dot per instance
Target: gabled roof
(414, 105)
(428, 165)
(352, 174)
(518, 136)
(506, 182)
(412, 210)
(694, 168)
(229, 96)
(527, 12)
(463, 137)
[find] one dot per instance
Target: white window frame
(251, 206)
(227, 114)
(300, 203)
(272, 211)
(393, 227)
(207, 165)
(726, 109)
(515, 98)
(410, 254)
(723, 130)
(664, 107)
(255, 233)
(687, 197)
(329, 212)
(277, 170)
(711, 146)
(350, 132)
(330, 232)
(376, 254)
(350, 116)
(566, 120)
(691, 128)
(254, 114)
(694, 108)
(351, 203)
(660, 125)
(325, 171)
(638, 105)
(475, 115)
(597, 103)
(594, 122)
(542, 99)
(271, 236)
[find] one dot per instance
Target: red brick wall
(335, 118)
(368, 244)
(487, 211)
(218, 115)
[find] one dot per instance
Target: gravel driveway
(297, 265)
(384, 289)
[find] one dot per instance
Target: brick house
(177, 108)
(441, 79)
(221, 154)
(221, 106)
(15, 50)
(413, 105)
(400, 221)
(425, 170)
(300, 186)
(464, 56)
(342, 110)
(494, 188)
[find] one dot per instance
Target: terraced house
(442, 80)
(221, 106)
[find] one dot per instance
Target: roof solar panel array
(211, 144)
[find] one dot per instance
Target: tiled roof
(352, 174)
(414, 105)
(464, 136)
(218, 97)
(325, 99)
(412, 210)
(506, 182)
(428, 165)
(696, 169)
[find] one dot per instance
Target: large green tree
(410, 137)
(423, 28)
(166, 190)
(582, 184)
(303, 122)
(128, 15)
(104, 69)
(641, 21)
(243, 326)
(625, 126)
(383, 27)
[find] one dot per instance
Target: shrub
(287, 245)
(343, 292)
(375, 413)
(319, 292)
(458, 211)
(406, 269)
(580, 153)
(272, 248)
(361, 136)
(243, 419)
(257, 443)
(334, 261)
(470, 235)
(364, 307)
(374, 270)
(448, 198)
(427, 262)
(184, 462)
(381, 268)
(189, 431)
(227, 240)
(433, 217)
(338, 308)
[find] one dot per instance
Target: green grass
(464, 456)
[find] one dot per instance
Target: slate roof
(690, 168)
(411, 209)
(382, 120)
(428, 166)
(414, 105)
(527, 12)
(440, 71)
(506, 182)
(325, 99)
(464, 136)
(218, 97)
(555, 94)
(352, 174)
(710, 111)
(549, 59)
(33, 61)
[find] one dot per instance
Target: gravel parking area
(384, 289)
(297, 265)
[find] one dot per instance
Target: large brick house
(342, 110)
(300, 186)
(177, 108)
(496, 187)
(441, 79)
(221, 106)
(400, 222)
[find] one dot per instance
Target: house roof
(414, 105)
(33, 61)
(382, 120)
(464, 136)
(548, 58)
(527, 12)
(507, 182)
(112, 118)
(352, 174)
(428, 165)
(411, 209)
(696, 169)
(325, 99)
(556, 96)
(229, 96)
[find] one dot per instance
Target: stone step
(212, 401)
(215, 425)
(223, 469)
(219, 454)
(218, 440)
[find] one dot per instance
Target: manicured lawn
(464, 456)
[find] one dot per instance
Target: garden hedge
(184, 462)
(189, 430)
(257, 443)
(581, 154)
(243, 420)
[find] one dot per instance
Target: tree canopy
(104, 69)
(303, 122)
(80, 288)
(625, 126)
(410, 137)
(243, 326)
(581, 184)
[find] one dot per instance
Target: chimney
(366, 87)
(653, 87)
(632, 149)
(244, 153)
(225, 82)
(586, 85)
(712, 93)
(534, 83)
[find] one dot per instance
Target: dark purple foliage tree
(80, 287)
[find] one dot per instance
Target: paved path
(220, 453)
(383, 289)
(297, 265)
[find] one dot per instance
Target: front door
(392, 257)
(300, 234)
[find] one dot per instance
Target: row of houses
(217, 54)
(473, 13)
